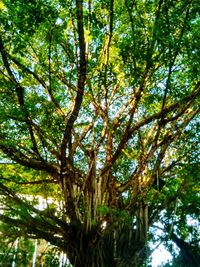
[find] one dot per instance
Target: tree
(99, 104)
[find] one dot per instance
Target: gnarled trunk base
(112, 247)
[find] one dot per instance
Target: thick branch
(22, 159)
(179, 105)
(80, 84)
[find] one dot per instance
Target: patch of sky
(38, 105)
(59, 21)
(160, 254)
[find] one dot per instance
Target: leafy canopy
(99, 104)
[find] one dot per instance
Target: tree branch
(22, 159)
(130, 130)
(80, 85)
(20, 95)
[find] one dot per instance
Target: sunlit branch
(164, 144)
(80, 85)
(80, 137)
(107, 52)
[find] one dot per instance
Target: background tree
(99, 104)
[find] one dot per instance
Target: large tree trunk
(112, 247)
(190, 255)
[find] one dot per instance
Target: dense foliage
(99, 103)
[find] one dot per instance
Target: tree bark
(111, 247)
(189, 253)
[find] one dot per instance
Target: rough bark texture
(111, 247)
